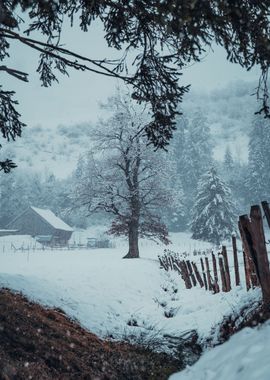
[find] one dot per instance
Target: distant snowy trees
(176, 173)
(123, 177)
(213, 217)
(192, 153)
(258, 173)
(23, 188)
(193, 149)
(228, 162)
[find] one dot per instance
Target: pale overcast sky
(76, 99)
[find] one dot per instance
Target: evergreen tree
(7, 198)
(192, 155)
(233, 174)
(213, 216)
(228, 161)
(196, 157)
(178, 215)
(175, 213)
(258, 176)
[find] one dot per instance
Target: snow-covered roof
(52, 219)
(5, 230)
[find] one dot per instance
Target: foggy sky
(76, 98)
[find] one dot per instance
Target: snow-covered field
(107, 294)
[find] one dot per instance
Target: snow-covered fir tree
(233, 173)
(228, 161)
(213, 217)
(192, 151)
(258, 174)
(198, 148)
(177, 209)
(175, 212)
(194, 154)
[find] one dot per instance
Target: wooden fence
(212, 271)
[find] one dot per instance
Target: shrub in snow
(213, 217)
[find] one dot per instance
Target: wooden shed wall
(62, 236)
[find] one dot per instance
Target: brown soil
(245, 318)
(38, 343)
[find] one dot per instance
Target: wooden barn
(42, 224)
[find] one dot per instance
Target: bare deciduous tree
(121, 176)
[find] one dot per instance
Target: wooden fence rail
(217, 277)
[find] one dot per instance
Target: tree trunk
(133, 241)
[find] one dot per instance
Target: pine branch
(15, 73)
(7, 165)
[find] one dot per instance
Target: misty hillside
(229, 112)
(53, 149)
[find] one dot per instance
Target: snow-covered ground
(107, 294)
(244, 357)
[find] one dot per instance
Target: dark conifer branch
(166, 37)
(15, 73)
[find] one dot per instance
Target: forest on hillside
(209, 134)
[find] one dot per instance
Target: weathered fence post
(185, 274)
(227, 269)
(160, 262)
(260, 253)
(247, 238)
(203, 272)
(235, 259)
(210, 285)
(191, 274)
(177, 267)
(214, 261)
(197, 274)
(222, 274)
(266, 210)
(247, 273)
(167, 262)
(254, 239)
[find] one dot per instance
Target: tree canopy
(164, 37)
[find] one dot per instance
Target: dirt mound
(38, 343)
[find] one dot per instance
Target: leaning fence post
(214, 261)
(210, 285)
(246, 236)
(204, 276)
(177, 267)
(235, 259)
(260, 253)
(191, 274)
(185, 274)
(226, 267)
(197, 274)
(160, 262)
(222, 274)
(247, 273)
(266, 210)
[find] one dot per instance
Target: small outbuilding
(42, 224)
(8, 232)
